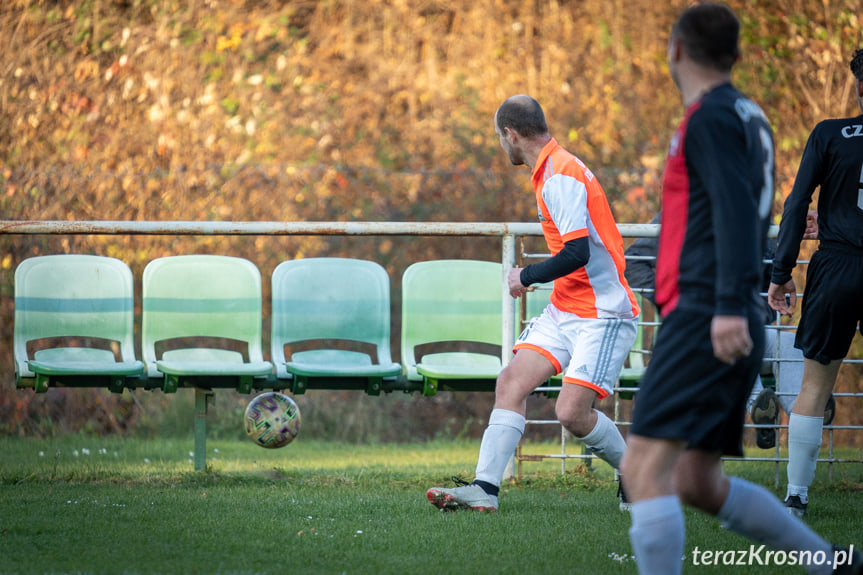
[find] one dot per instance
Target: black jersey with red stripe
(717, 193)
(833, 160)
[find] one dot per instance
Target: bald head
(522, 114)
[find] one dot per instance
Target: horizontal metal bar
(266, 228)
(108, 227)
(746, 459)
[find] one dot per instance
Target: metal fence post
(508, 323)
(202, 399)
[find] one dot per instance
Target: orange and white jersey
(571, 205)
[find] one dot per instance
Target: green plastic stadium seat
(206, 305)
(73, 302)
(322, 301)
(452, 301)
(536, 301)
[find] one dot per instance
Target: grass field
(91, 505)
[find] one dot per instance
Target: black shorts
(689, 395)
(832, 305)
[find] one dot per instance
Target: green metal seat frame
(452, 301)
(70, 300)
(332, 299)
(216, 297)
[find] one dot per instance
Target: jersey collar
(539, 166)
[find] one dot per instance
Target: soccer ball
(272, 420)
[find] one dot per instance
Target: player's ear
(673, 49)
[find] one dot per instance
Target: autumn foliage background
(361, 110)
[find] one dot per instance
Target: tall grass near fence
(81, 504)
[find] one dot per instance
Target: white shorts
(589, 351)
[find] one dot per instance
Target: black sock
(487, 487)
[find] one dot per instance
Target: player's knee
(699, 491)
(505, 377)
(693, 495)
(576, 418)
(629, 468)
(509, 390)
(506, 383)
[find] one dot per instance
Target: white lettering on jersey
(587, 173)
(848, 133)
(747, 109)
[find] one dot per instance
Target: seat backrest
(73, 296)
(535, 302)
(450, 300)
(204, 296)
(330, 298)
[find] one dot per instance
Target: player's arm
(782, 297)
(797, 221)
(575, 254)
(796, 210)
(716, 148)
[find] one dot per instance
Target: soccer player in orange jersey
(586, 331)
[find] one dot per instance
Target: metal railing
(508, 232)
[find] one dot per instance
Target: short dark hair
(709, 33)
(524, 115)
(857, 64)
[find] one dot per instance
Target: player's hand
(811, 231)
(514, 283)
(730, 337)
(782, 298)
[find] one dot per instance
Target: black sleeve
(793, 224)
(767, 272)
(716, 147)
(641, 273)
(575, 254)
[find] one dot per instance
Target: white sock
(499, 441)
(754, 512)
(657, 535)
(789, 374)
(804, 441)
(605, 440)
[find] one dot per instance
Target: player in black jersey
(832, 305)
(781, 358)
(716, 199)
